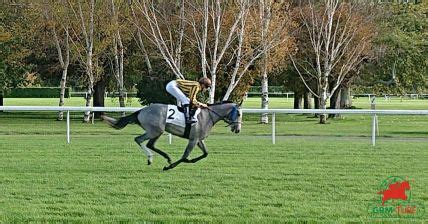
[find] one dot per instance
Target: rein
(227, 120)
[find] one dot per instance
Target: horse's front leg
(201, 145)
(186, 154)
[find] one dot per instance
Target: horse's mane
(219, 103)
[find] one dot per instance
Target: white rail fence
(371, 112)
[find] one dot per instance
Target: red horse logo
(396, 190)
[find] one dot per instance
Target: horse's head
(234, 119)
(405, 185)
(230, 113)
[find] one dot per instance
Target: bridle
(225, 119)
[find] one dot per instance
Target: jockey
(185, 92)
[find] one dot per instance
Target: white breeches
(173, 89)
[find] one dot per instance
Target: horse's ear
(240, 103)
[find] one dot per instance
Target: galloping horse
(153, 120)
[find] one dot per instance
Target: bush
(153, 91)
(37, 92)
(271, 89)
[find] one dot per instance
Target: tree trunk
(323, 105)
(87, 114)
(99, 91)
(62, 93)
(335, 103)
(265, 98)
(307, 102)
(316, 102)
(298, 101)
(345, 97)
(212, 90)
(265, 14)
(122, 99)
(89, 39)
(228, 91)
(118, 55)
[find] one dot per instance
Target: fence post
(68, 126)
(374, 121)
(374, 130)
(273, 128)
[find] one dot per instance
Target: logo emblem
(394, 200)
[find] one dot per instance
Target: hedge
(37, 92)
(271, 89)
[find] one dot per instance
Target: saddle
(175, 116)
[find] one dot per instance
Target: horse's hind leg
(151, 145)
(140, 139)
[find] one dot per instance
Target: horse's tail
(123, 121)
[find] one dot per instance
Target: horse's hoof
(150, 160)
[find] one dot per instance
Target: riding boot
(188, 117)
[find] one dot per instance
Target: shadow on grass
(410, 132)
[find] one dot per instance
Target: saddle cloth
(176, 117)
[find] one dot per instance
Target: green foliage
(153, 91)
(240, 90)
(37, 92)
(270, 89)
(402, 64)
(12, 54)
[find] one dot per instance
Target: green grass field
(315, 173)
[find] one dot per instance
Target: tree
(86, 26)
(16, 30)
(339, 35)
(400, 62)
(139, 39)
(265, 17)
(159, 28)
(274, 20)
(91, 41)
(118, 53)
(57, 19)
(219, 31)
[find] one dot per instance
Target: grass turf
(327, 173)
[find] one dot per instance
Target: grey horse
(153, 120)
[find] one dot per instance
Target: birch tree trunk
(64, 66)
(118, 56)
(323, 101)
(64, 63)
(180, 37)
(89, 40)
(62, 93)
(265, 15)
